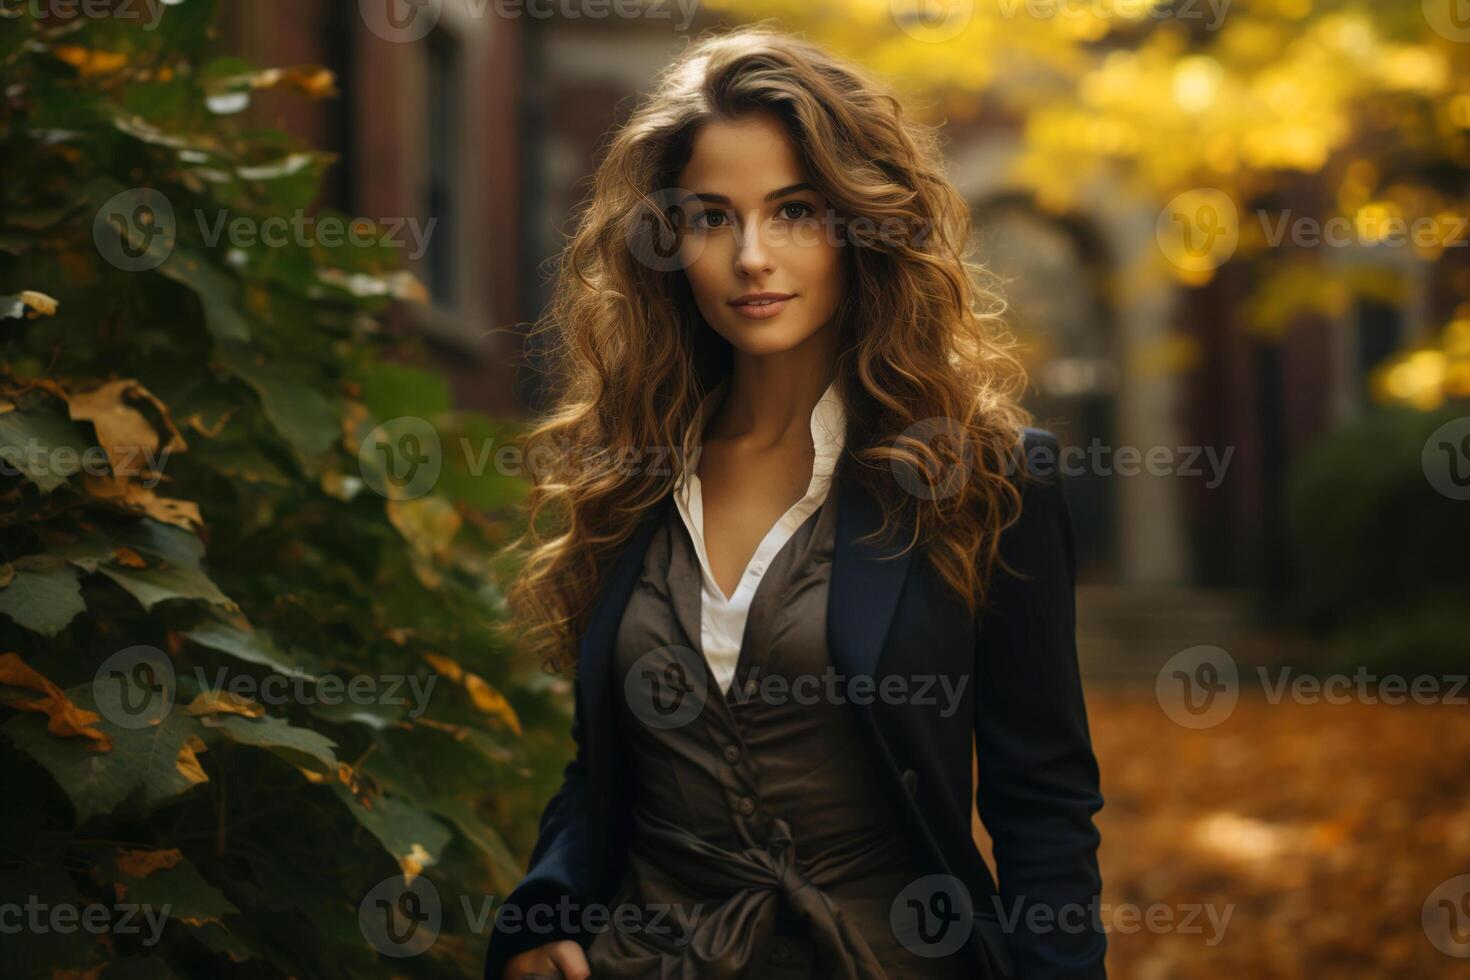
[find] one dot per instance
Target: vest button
(746, 805)
(731, 754)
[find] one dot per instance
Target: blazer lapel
(594, 653)
(865, 584)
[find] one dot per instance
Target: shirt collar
(828, 427)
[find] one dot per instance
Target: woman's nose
(755, 253)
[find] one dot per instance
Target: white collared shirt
(722, 620)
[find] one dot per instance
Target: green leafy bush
(1380, 553)
(248, 678)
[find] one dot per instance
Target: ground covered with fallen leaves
(1320, 828)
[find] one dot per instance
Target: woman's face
(760, 253)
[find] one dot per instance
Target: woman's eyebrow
(781, 192)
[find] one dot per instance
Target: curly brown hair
(922, 345)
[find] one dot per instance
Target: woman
(792, 621)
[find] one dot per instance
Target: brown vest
(764, 845)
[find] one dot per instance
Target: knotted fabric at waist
(749, 886)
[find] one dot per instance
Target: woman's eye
(709, 219)
(796, 210)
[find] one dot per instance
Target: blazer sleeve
(548, 904)
(1038, 784)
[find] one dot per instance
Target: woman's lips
(762, 309)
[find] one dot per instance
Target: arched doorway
(1054, 277)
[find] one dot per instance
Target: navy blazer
(1022, 705)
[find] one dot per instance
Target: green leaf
(174, 570)
(151, 586)
(181, 889)
(503, 863)
(294, 404)
(44, 594)
(142, 766)
(403, 829)
(391, 390)
(252, 645)
(40, 441)
(299, 746)
(218, 293)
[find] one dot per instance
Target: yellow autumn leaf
(224, 703)
(40, 304)
(484, 697)
(128, 558)
(64, 717)
(445, 666)
(312, 80)
(188, 760)
(491, 701)
(413, 862)
(88, 61)
(429, 523)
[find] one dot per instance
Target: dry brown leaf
(197, 423)
(124, 432)
(89, 974)
(141, 864)
(65, 718)
(134, 497)
(128, 557)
